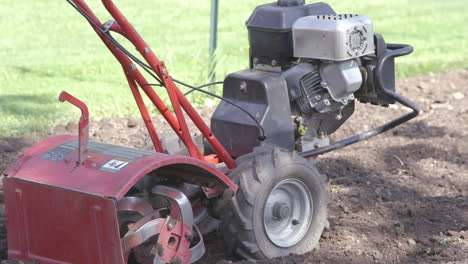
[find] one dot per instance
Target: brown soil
(401, 197)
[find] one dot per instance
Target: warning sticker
(114, 165)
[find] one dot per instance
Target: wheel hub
(281, 211)
(288, 212)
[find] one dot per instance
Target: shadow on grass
(28, 105)
(26, 70)
(29, 113)
(45, 74)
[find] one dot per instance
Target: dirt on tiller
(401, 197)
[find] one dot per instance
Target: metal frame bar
(394, 50)
(178, 123)
(213, 39)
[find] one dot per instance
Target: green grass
(46, 47)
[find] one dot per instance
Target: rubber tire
(242, 217)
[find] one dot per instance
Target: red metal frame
(178, 123)
(83, 125)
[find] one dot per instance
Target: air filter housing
(333, 37)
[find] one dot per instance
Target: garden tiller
(250, 176)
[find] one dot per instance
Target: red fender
(110, 170)
(61, 212)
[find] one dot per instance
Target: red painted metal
(212, 158)
(145, 115)
(58, 212)
(89, 179)
(205, 130)
(178, 124)
(53, 225)
(83, 125)
(212, 193)
(129, 68)
(174, 240)
(160, 68)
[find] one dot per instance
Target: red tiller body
(35, 165)
(48, 224)
(63, 195)
(61, 212)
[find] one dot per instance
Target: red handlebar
(122, 26)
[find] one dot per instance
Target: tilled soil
(401, 197)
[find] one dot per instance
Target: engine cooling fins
(309, 88)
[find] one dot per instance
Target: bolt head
(243, 87)
(299, 119)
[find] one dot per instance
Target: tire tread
(236, 224)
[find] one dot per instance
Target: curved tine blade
(178, 201)
(143, 221)
(199, 249)
(135, 204)
(133, 239)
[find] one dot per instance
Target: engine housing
(264, 95)
(307, 67)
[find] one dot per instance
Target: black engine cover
(265, 96)
(269, 26)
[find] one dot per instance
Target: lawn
(46, 47)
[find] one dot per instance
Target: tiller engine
(251, 176)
